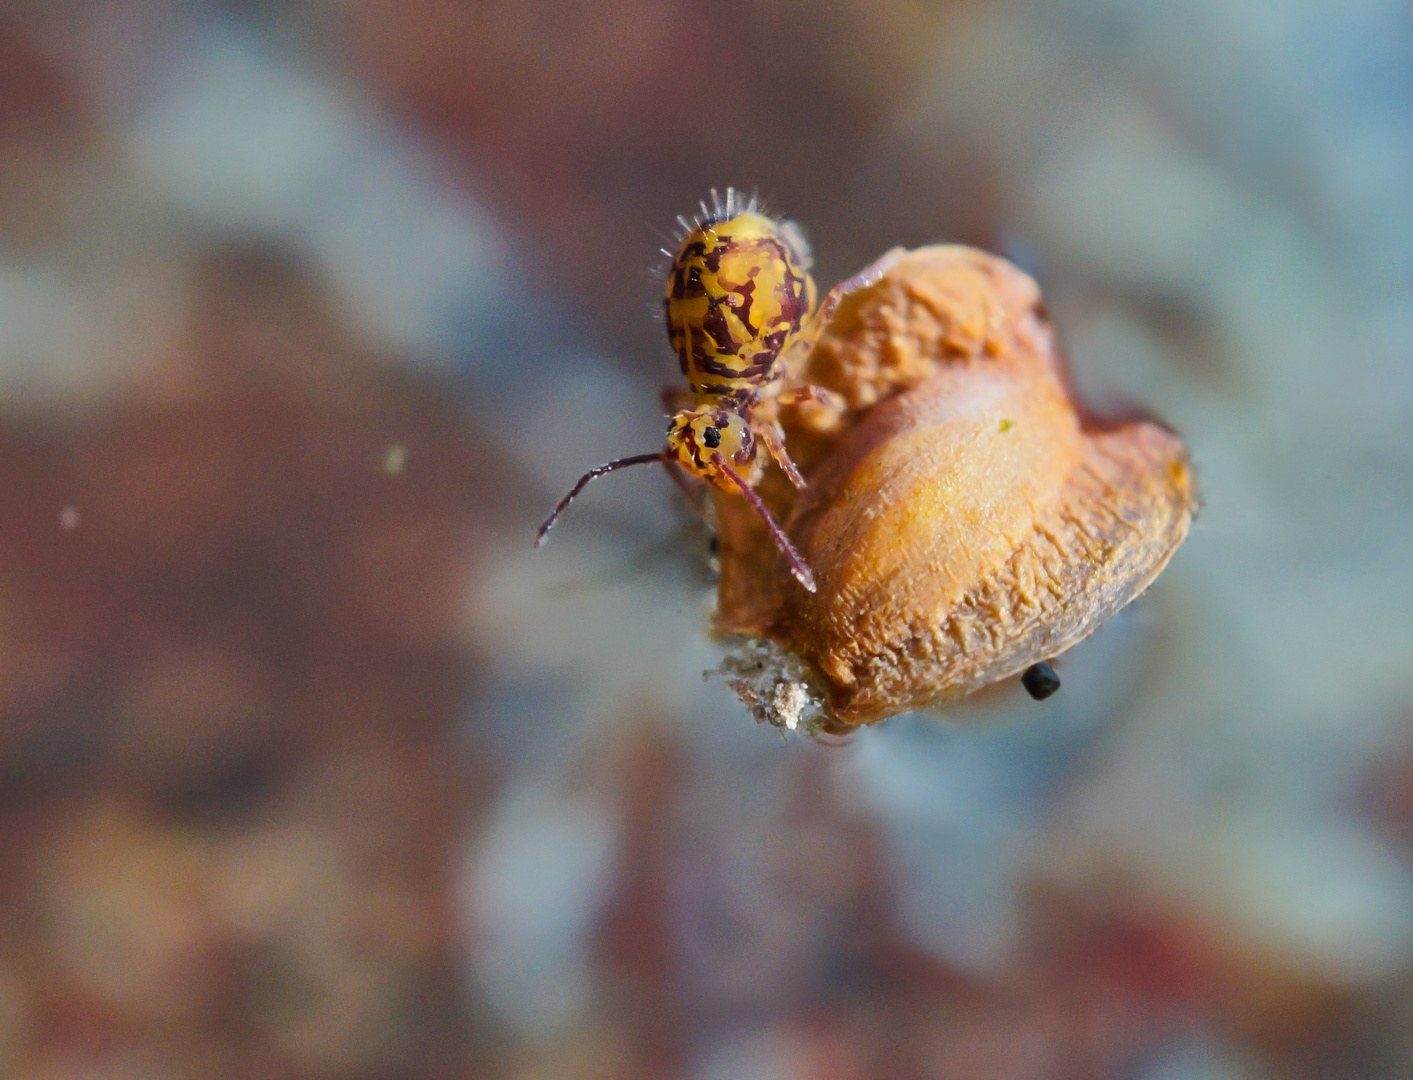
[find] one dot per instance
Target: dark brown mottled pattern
(717, 328)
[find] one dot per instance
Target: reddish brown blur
(233, 801)
(231, 661)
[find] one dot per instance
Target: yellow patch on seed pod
(962, 520)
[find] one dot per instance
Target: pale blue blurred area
(966, 794)
(1197, 1057)
(246, 140)
(1310, 102)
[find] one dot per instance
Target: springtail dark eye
(712, 438)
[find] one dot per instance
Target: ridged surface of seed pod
(962, 519)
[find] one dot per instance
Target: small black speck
(714, 544)
(1040, 681)
(712, 437)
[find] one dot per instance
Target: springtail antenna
(621, 463)
(797, 564)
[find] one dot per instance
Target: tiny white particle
(395, 459)
(789, 703)
(69, 518)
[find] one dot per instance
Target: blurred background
(310, 767)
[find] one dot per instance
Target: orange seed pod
(962, 519)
